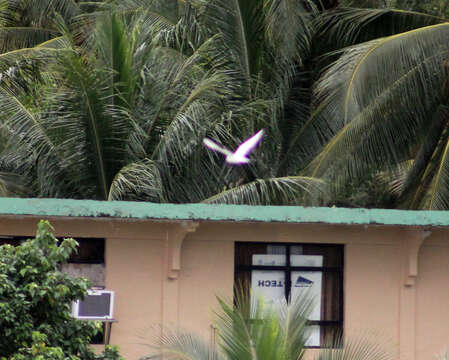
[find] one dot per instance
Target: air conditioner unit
(97, 305)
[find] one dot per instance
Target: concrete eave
(206, 212)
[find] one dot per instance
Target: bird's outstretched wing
(245, 148)
(214, 146)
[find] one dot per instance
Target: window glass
(285, 271)
(90, 251)
(261, 254)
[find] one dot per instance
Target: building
(379, 271)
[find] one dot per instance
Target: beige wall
(134, 272)
(432, 302)
(168, 274)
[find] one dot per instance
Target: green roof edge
(238, 213)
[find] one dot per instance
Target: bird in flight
(240, 155)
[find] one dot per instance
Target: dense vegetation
(111, 100)
(35, 298)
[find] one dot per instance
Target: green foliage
(112, 99)
(433, 7)
(252, 329)
(35, 302)
(381, 114)
(122, 115)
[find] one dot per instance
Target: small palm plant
(253, 329)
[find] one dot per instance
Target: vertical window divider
(288, 274)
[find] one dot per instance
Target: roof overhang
(207, 212)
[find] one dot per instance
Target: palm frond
(359, 347)
(186, 35)
(116, 49)
(167, 9)
(251, 328)
(289, 27)
(294, 325)
(29, 153)
(188, 100)
(43, 10)
(255, 328)
(272, 191)
(27, 23)
(36, 54)
(194, 117)
(343, 27)
(241, 23)
(24, 126)
(439, 188)
(14, 37)
(12, 184)
(375, 109)
(138, 182)
(425, 152)
(298, 143)
(183, 346)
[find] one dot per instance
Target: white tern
(240, 155)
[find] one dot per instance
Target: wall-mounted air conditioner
(97, 305)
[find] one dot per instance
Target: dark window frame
(287, 268)
(75, 257)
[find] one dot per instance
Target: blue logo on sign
(303, 282)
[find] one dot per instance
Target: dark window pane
(306, 260)
(90, 251)
(296, 249)
(330, 336)
(260, 254)
(12, 240)
(331, 300)
(332, 254)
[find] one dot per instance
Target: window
(89, 251)
(278, 271)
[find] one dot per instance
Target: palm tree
(383, 106)
(109, 109)
(124, 119)
(252, 329)
(221, 69)
(261, 45)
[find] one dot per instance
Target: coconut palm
(93, 124)
(252, 329)
(383, 106)
(122, 117)
(261, 44)
(152, 88)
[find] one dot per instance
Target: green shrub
(35, 302)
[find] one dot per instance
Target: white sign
(271, 284)
(268, 284)
(312, 282)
